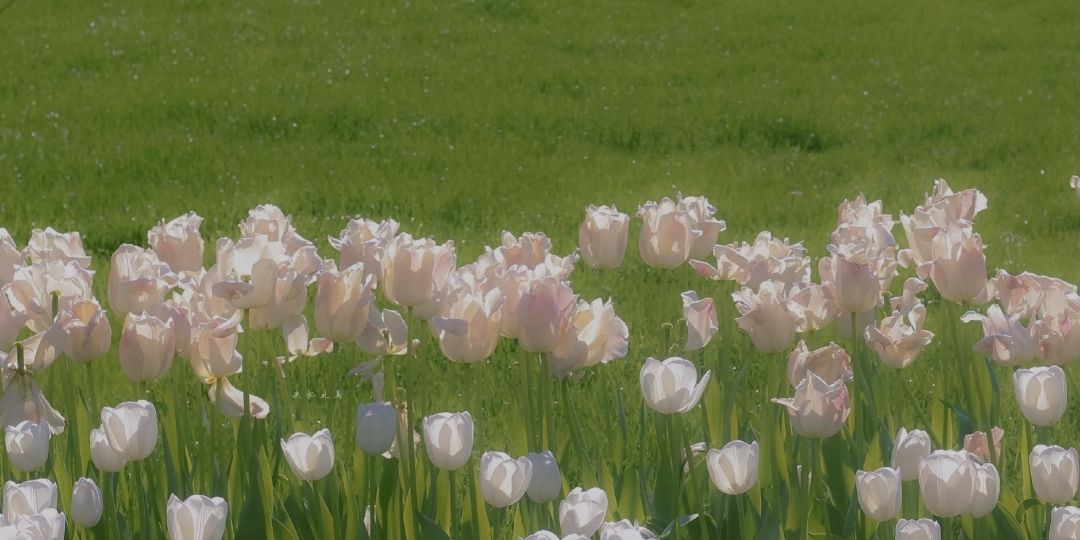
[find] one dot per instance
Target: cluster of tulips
(173, 306)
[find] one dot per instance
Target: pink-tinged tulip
(767, 315)
(88, 332)
(879, 493)
(137, 279)
(818, 409)
(733, 468)
(667, 233)
(196, 518)
(414, 269)
(899, 338)
(602, 237)
(596, 336)
(1041, 393)
(947, 483)
(941, 209)
(230, 401)
(311, 457)
(48, 245)
(766, 259)
(1028, 294)
(978, 446)
(1055, 473)
(468, 328)
(859, 221)
(851, 276)
(701, 323)
(831, 363)
(269, 222)
(503, 479)
(917, 529)
(131, 428)
(178, 242)
(813, 305)
(385, 334)
(672, 386)
(213, 349)
(1058, 333)
(582, 511)
(32, 288)
(179, 313)
(250, 271)
(703, 215)
(342, 303)
(1065, 520)
(147, 347)
(1005, 339)
(22, 399)
(10, 256)
(545, 310)
(958, 267)
(987, 490)
(363, 241)
(448, 438)
(909, 449)
(531, 251)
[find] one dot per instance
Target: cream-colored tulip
(213, 353)
(311, 457)
(363, 241)
(503, 479)
(672, 386)
(818, 409)
(468, 329)
(596, 336)
(879, 493)
(1042, 394)
(602, 237)
(947, 483)
(1055, 473)
(196, 518)
(733, 468)
(147, 347)
(701, 322)
(178, 243)
(667, 233)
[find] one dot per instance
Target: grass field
(462, 119)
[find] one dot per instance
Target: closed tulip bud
(105, 457)
(703, 216)
(86, 503)
(701, 323)
(767, 315)
(987, 489)
(582, 511)
(28, 498)
(602, 236)
(1041, 393)
(545, 312)
(196, 518)
(831, 363)
(147, 347)
(468, 329)
(918, 529)
(667, 234)
(1055, 473)
(413, 270)
(131, 428)
(363, 241)
(448, 438)
(546, 482)
(958, 267)
(672, 386)
(909, 449)
(879, 493)
(311, 457)
(625, 530)
(342, 303)
(733, 468)
(947, 483)
(137, 280)
(978, 446)
(178, 242)
(88, 331)
(376, 427)
(503, 479)
(27, 445)
(818, 409)
(1065, 520)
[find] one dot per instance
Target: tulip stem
(530, 432)
(575, 426)
(452, 480)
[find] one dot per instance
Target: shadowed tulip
(147, 347)
(376, 427)
(582, 511)
(25, 499)
(1055, 473)
(546, 482)
(196, 518)
(818, 409)
(448, 438)
(947, 483)
(27, 445)
(86, 503)
(879, 493)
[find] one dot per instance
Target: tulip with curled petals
(27, 445)
(668, 231)
(311, 457)
(1005, 339)
(940, 210)
(39, 292)
(546, 482)
(596, 336)
(468, 328)
(48, 244)
(503, 479)
(1055, 473)
(602, 237)
(958, 266)
(1065, 520)
(879, 493)
(213, 353)
(703, 215)
(270, 222)
(830, 362)
(105, 457)
(28, 498)
(625, 530)
(701, 323)
(178, 243)
(917, 529)
(1029, 294)
(909, 449)
(582, 511)
(88, 332)
(672, 386)
(818, 409)
(41, 349)
(49, 524)
(733, 468)
(448, 438)
(767, 315)
(545, 310)
(947, 482)
(899, 338)
(385, 334)
(342, 303)
(196, 518)
(363, 241)
(131, 428)
(86, 503)
(813, 306)
(230, 400)
(137, 279)
(1058, 335)
(147, 347)
(1041, 393)
(249, 271)
(750, 265)
(987, 490)
(414, 269)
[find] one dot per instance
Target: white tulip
(602, 236)
(1055, 473)
(196, 518)
(86, 503)
(582, 511)
(947, 482)
(28, 498)
(1041, 393)
(105, 457)
(131, 428)
(503, 479)
(546, 483)
(1065, 523)
(27, 445)
(879, 493)
(918, 529)
(701, 323)
(311, 457)
(672, 386)
(625, 530)
(909, 449)
(448, 438)
(178, 243)
(733, 468)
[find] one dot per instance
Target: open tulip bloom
(818, 409)
(672, 386)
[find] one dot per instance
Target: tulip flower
(342, 303)
(939, 211)
(42, 349)
(376, 427)
(703, 216)
(27, 445)
(672, 386)
(28, 498)
(230, 400)
(818, 409)
(86, 503)
(22, 399)
(178, 242)
(448, 438)
(385, 333)
(831, 363)
(1028, 294)
(503, 479)
(542, 535)
(879, 493)
(546, 482)
(105, 457)
(909, 449)
(917, 529)
(413, 270)
(48, 245)
(978, 446)
(131, 428)
(1057, 334)
(137, 279)
(595, 336)
(1055, 473)
(213, 353)
(147, 347)
(1005, 339)
(625, 530)
(860, 221)
(851, 275)
(602, 237)
(10, 258)
(1041, 393)
(958, 267)
(49, 524)
(363, 241)
(733, 468)
(11, 323)
(544, 314)
(750, 265)
(768, 316)
(468, 328)
(311, 457)
(667, 233)
(701, 323)
(39, 292)
(947, 483)
(196, 518)
(88, 331)
(899, 338)
(987, 489)
(582, 511)
(1065, 520)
